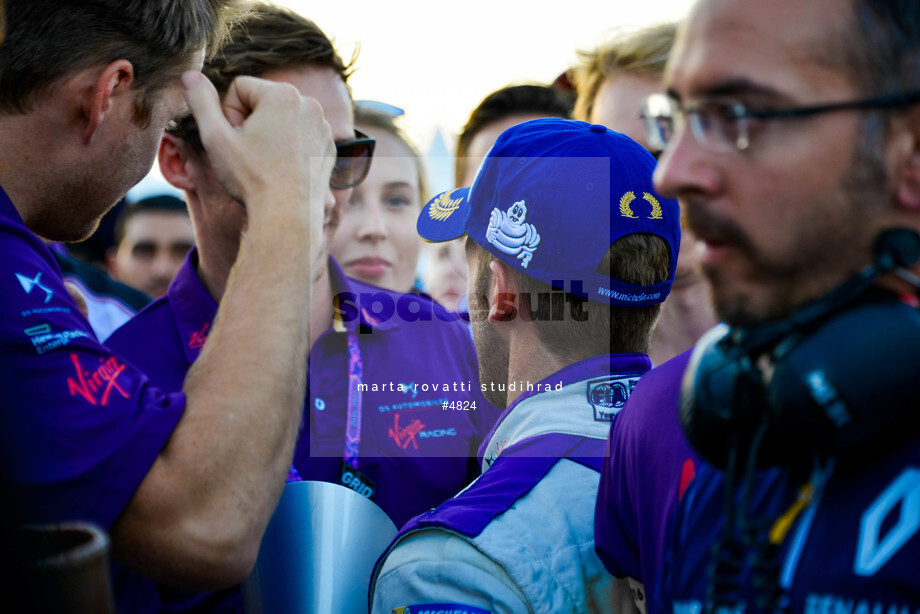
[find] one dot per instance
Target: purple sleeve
(646, 471)
(615, 524)
(80, 426)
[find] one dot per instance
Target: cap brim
(444, 217)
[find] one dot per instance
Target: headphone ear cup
(849, 380)
(713, 411)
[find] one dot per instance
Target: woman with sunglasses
(376, 241)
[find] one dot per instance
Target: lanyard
(353, 416)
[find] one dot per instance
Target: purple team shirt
(81, 426)
(417, 453)
(854, 549)
(649, 465)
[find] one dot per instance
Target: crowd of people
(659, 358)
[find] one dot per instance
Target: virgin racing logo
(403, 436)
(102, 380)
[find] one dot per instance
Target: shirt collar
(193, 307)
(7, 209)
(564, 408)
(345, 294)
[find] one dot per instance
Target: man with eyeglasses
(389, 372)
(791, 137)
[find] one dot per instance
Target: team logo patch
(96, 382)
(444, 206)
(511, 234)
(404, 435)
(35, 282)
(409, 388)
(197, 338)
(608, 395)
(627, 199)
(45, 340)
(439, 608)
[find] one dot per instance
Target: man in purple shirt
(791, 135)
(86, 89)
(647, 468)
(395, 409)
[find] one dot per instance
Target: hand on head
(249, 140)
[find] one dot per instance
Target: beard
(491, 349)
(493, 362)
(831, 245)
(81, 193)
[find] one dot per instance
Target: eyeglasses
(723, 124)
(352, 161)
(352, 157)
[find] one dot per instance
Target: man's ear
(173, 157)
(111, 266)
(904, 147)
(114, 80)
(502, 293)
(909, 180)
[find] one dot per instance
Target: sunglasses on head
(352, 161)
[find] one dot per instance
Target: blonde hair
(642, 52)
(367, 116)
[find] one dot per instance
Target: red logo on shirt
(403, 436)
(687, 473)
(104, 379)
(196, 339)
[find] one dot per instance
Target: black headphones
(845, 369)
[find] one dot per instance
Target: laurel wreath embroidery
(444, 206)
(657, 214)
(625, 211)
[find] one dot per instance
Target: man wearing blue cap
(571, 252)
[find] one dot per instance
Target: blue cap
(551, 197)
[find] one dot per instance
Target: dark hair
(510, 100)
(46, 40)
(880, 46)
(269, 38)
(639, 258)
(163, 203)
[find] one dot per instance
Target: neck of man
(25, 157)
(685, 316)
(214, 266)
(529, 361)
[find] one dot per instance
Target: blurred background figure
(152, 238)
(498, 111)
(376, 241)
(106, 303)
(613, 81)
(446, 272)
(445, 277)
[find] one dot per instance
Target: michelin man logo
(511, 235)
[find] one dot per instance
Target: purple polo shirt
(649, 465)
(417, 453)
(80, 426)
